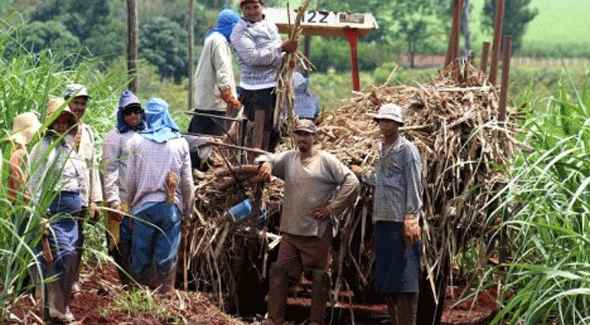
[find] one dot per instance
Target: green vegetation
(547, 204)
(142, 302)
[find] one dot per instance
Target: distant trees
(39, 36)
(518, 14)
(163, 43)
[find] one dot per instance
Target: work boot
(402, 308)
(320, 294)
(277, 295)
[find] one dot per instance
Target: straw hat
(57, 104)
(24, 128)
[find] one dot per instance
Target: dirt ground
(100, 289)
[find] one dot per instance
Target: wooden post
(507, 54)
(485, 53)
(132, 45)
(190, 27)
(497, 40)
(306, 51)
(453, 49)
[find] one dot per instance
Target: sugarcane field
(294, 162)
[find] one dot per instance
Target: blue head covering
(128, 98)
(225, 23)
(160, 125)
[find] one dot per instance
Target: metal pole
(497, 39)
(191, 10)
(352, 36)
(507, 54)
(132, 45)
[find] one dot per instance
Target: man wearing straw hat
(316, 186)
(396, 208)
(260, 50)
(77, 97)
(24, 128)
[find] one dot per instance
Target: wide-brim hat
(24, 128)
(57, 105)
(306, 126)
(392, 112)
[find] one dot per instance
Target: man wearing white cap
(396, 207)
(317, 185)
(77, 97)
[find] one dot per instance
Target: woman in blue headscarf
(115, 152)
(215, 86)
(160, 194)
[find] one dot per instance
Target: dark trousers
(299, 253)
(262, 100)
(208, 125)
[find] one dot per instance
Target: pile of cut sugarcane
(463, 148)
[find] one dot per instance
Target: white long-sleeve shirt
(87, 152)
(115, 155)
(214, 72)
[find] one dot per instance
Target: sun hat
(389, 111)
(307, 126)
(76, 90)
(56, 104)
(24, 128)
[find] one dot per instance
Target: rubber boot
(277, 295)
(320, 294)
(402, 308)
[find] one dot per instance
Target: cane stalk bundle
(285, 97)
(463, 147)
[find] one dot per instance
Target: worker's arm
(187, 185)
(412, 174)
(132, 174)
(249, 53)
(348, 183)
(221, 61)
(111, 154)
(274, 164)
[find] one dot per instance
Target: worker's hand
(228, 97)
(289, 46)
(116, 215)
(412, 231)
(322, 213)
(93, 213)
(265, 171)
(356, 169)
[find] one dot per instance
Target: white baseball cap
(389, 111)
(76, 90)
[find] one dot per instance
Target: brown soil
(473, 311)
(100, 287)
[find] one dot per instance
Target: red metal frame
(353, 37)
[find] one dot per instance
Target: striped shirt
(258, 46)
(115, 153)
(398, 182)
(148, 165)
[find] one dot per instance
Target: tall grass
(26, 84)
(548, 203)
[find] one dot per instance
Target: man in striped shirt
(260, 52)
(160, 193)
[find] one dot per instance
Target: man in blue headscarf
(115, 152)
(215, 86)
(160, 193)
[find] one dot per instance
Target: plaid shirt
(398, 182)
(258, 46)
(115, 153)
(148, 165)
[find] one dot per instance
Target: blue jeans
(155, 238)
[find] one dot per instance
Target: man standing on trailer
(396, 208)
(260, 52)
(316, 186)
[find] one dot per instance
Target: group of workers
(144, 181)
